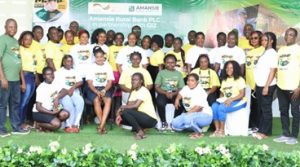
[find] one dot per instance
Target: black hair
(259, 33)
(271, 36)
(169, 35)
(23, 35)
(170, 56)
(136, 54)
(47, 69)
(158, 39)
(195, 76)
(34, 28)
(220, 34)
(95, 34)
(98, 49)
(293, 29)
(236, 70)
(59, 29)
(110, 31)
(136, 26)
(200, 33)
(49, 30)
(119, 33)
(140, 75)
(182, 53)
(203, 56)
(65, 58)
(192, 31)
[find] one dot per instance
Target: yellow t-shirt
(28, 59)
(66, 48)
(146, 106)
(231, 88)
(76, 40)
(126, 75)
(179, 64)
(41, 56)
(157, 58)
(244, 44)
(112, 56)
(251, 60)
(288, 71)
(207, 78)
(187, 47)
(53, 52)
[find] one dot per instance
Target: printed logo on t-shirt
(52, 96)
(70, 80)
(284, 60)
(44, 54)
(226, 58)
(115, 54)
(248, 60)
(187, 102)
(171, 84)
(83, 54)
(204, 81)
(101, 77)
(128, 59)
(228, 91)
(15, 51)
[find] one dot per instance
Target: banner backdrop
(175, 16)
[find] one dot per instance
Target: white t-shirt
(213, 54)
(82, 58)
(45, 94)
(166, 50)
(226, 54)
(100, 74)
(195, 97)
(66, 78)
(148, 52)
(262, 69)
(193, 55)
(123, 56)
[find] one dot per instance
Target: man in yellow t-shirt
(70, 42)
(53, 53)
(288, 82)
(192, 40)
(244, 40)
(74, 28)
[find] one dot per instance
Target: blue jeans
(194, 121)
(10, 97)
(26, 96)
(220, 110)
(74, 105)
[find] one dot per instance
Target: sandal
(196, 136)
(215, 134)
(259, 136)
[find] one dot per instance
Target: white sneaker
(281, 139)
(291, 141)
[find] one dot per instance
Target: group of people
(146, 74)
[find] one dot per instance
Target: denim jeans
(74, 105)
(194, 121)
(25, 97)
(285, 101)
(10, 97)
(220, 109)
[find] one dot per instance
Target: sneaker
(4, 134)
(291, 141)
(254, 130)
(164, 126)
(21, 132)
(281, 139)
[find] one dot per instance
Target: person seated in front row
(99, 81)
(66, 77)
(232, 96)
(48, 112)
(125, 79)
(139, 111)
(197, 111)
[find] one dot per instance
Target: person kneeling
(48, 113)
(139, 111)
(198, 113)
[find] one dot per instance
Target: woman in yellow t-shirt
(38, 34)
(139, 112)
(179, 53)
(69, 36)
(252, 57)
(29, 61)
(208, 78)
(231, 98)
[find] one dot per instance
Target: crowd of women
(145, 74)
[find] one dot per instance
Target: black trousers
(161, 102)
(264, 104)
(153, 70)
(285, 101)
(254, 112)
(138, 120)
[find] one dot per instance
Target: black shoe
(21, 132)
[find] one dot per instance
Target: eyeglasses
(252, 38)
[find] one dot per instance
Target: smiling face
(168, 41)
(229, 70)
(119, 40)
(38, 34)
(200, 40)
(221, 40)
(11, 28)
(132, 40)
(203, 63)
(254, 40)
(146, 43)
(53, 34)
(101, 37)
(48, 76)
(27, 40)
(231, 40)
(170, 64)
(290, 37)
(177, 44)
(136, 81)
(68, 63)
(69, 38)
(191, 82)
(100, 58)
(84, 39)
(135, 60)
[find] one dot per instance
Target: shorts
(91, 95)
